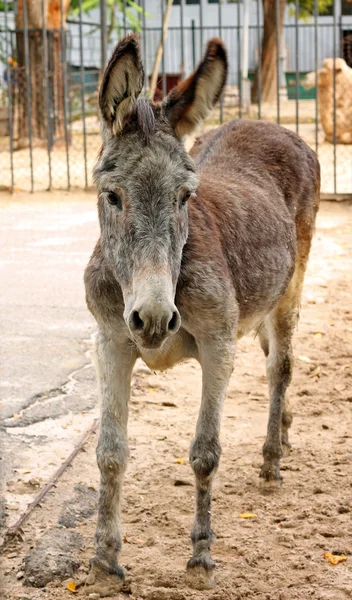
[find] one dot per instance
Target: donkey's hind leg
(286, 417)
(276, 337)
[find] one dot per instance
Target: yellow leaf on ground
(334, 559)
(340, 387)
(315, 373)
(72, 586)
(180, 461)
(318, 334)
(247, 516)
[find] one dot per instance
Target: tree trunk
(40, 101)
(160, 50)
(268, 81)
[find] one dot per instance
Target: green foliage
(307, 8)
(115, 12)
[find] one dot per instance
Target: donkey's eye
(114, 199)
(185, 197)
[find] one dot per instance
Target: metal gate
(49, 77)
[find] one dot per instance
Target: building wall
(218, 20)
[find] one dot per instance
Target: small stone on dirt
(52, 558)
(80, 507)
(20, 574)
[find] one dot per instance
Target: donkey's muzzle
(152, 325)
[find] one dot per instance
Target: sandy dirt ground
(276, 555)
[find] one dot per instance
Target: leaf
(334, 559)
(247, 515)
(318, 335)
(22, 471)
(180, 461)
(315, 373)
(305, 359)
(339, 387)
(71, 586)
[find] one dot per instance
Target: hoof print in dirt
(52, 558)
(99, 581)
(80, 507)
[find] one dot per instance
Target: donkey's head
(144, 178)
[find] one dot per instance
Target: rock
(80, 507)
(52, 558)
(343, 79)
(94, 596)
(20, 574)
(12, 555)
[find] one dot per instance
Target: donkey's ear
(122, 83)
(191, 101)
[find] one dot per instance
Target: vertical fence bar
(103, 36)
(239, 60)
(259, 72)
(193, 28)
(163, 50)
(182, 4)
(201, 20)
(28, 90)
(65, 91)
(297, 63)
(46, 91)
(278, 52)
(144, 45)
(220, 33)
(9, 97)
(334, 92)
(316, 66)
(124, 18)
(82, 93)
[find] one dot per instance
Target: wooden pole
(160, 50)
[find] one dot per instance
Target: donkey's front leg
(217, 363)
(114, 364)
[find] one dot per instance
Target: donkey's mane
(145, 118)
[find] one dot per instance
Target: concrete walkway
(47, 387)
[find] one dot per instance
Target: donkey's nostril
(173, 322)
(137, 321)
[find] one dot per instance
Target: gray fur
(167, 282)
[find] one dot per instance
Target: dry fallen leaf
(315, 373)
(339, 387)
(305, 359)
(22, 471)
(72, 587)
(334, 559)
(247, 516)
(180, 461)
(318, 334)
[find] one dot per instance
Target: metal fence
(49, 124)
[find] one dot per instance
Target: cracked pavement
(47, 389)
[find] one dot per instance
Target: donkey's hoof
(269, 485)
(200, 573)
(103, 580)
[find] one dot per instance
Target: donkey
(196, 250)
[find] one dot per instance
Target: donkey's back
(258, 195)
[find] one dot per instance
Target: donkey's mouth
(150, 344)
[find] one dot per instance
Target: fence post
(193, 25)
(103, 36)
(246, 86)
